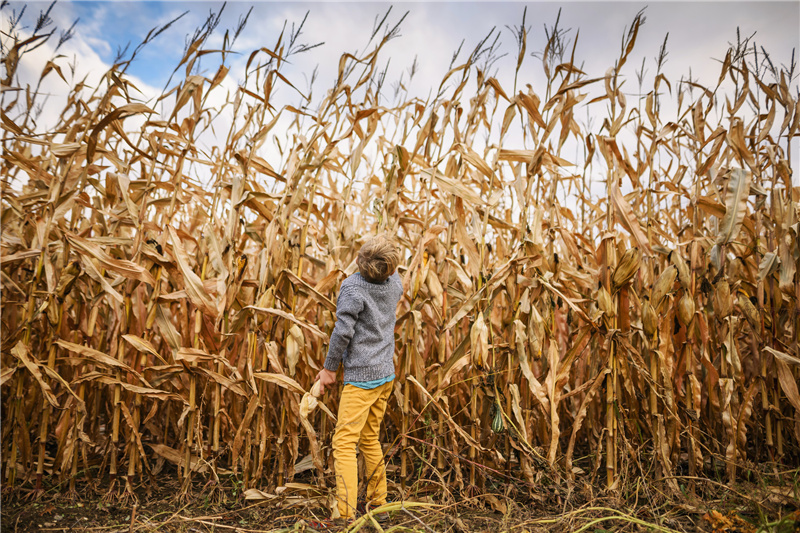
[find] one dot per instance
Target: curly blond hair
(378, 259)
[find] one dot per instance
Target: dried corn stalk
(140, 271)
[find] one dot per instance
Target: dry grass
(163, 304)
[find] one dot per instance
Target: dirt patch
(161, 507)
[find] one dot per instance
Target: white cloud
(78, 60)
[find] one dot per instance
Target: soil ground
(746, 508)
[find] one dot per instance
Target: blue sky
(113, 25)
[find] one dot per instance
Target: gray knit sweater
(363, 338)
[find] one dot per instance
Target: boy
(363, 341)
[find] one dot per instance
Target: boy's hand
(325, 377)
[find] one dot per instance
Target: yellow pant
(360, 415)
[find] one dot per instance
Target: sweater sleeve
(348, 306)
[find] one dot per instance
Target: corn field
(165, 306)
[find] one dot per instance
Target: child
(363, 341)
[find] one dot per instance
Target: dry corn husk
(310, 400)
(663, 285)
(68, 279)
(294, 346)
(685, 309)
(479, 342)
(649, 319)
(721, 300)
(684, 276)
(749, 311)
(535, 332)
(627, 267)
(606, 303)
(434, 287)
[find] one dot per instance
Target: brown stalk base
(33, 495)
(8, 490)
(214, 492)
(128, 496)
(185, 494)
(72, 495)
(37, 491)
(471, 491)
(111, 495)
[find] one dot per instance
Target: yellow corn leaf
(735, 205)
(177, 458)
(194, 287)
(144, 391)
(280, 380)
(628, 219)
(21, 352)
(7, 374)
(195, 355)
(474, 159)
(94, 355)
(167, 329)
(143, 346)
(121, 266)
(536, 388)
(277, 312)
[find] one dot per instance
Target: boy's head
(378, 259)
